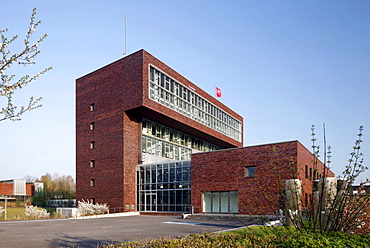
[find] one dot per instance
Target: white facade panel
(19, 187)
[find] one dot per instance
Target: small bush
(250, 238)
(33, 212)
(88, 208)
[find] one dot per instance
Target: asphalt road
(92, 232)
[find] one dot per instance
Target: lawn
(255, 238)
(15, 213)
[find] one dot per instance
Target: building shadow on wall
(64, 240)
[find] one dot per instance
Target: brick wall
(112, 89)
(119, 92)
(131, 151)
(30, 189)
(225, 171)
(6, 189)
(309, 169)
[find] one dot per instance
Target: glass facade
(166, 142)
(220, 202)
(172, 94)
(164, 186)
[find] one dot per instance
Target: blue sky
(282, 65)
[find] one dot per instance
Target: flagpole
(124, 54)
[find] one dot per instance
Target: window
(250, 171)
(92, 126)
(92, 182)
(92, 107)
(92, 144)
(183, 100)
(92, 163)
(306, 198)
(164, 186)
(306, 171)
(154, 132)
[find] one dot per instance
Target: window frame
(185, 101)
(92, 107)
(248, 173)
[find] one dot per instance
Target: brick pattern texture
(119, 92)
(225, 170)
(6, 189)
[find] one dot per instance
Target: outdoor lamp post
(6, 198)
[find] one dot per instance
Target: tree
(29, 178)
(9, 84)
(55, 187)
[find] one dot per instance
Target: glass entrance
(164, 186)
(220, 202)
(150, 202)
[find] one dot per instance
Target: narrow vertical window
(306, 199)
(250, 171)
(92, 163)
(306, 171)
(92, 182)
(92, 107)
(92, 126)
(92, 144)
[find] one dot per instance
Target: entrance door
(150, 202)
(220, 202)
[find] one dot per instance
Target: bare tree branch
(8, 83)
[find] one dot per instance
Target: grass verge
(18, 213)
(15, 213)
(254, 238)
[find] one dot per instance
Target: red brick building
(112, 104)
(138, 124)
(250, 179)
(18, 189)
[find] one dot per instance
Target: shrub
(33, 212)
(88, 208)
(321, 203)
(248, 238)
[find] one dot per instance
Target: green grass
(254, 237)
(14, 213)
(263, 230)
(18, 213)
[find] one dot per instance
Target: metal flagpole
(124, 54)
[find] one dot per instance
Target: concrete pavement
(92, 232)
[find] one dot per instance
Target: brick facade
(6, 189)
(119, 92)
(110, 105)
(225, 170)
(30, 189)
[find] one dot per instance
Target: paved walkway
(92, 232)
